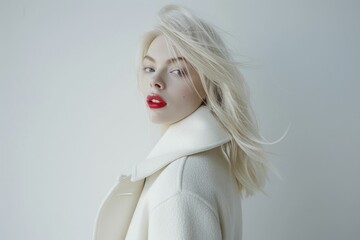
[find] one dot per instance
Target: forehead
(161, 50)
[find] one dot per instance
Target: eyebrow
(167, 61)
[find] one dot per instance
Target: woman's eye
(180, 72)
(148, 69)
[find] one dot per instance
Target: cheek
(181, 90)
(199, 87)
(185, 93)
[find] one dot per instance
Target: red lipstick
(155, 101)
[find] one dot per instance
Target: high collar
(199, 131)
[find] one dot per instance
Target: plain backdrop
(72, 119)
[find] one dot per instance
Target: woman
(209, 155)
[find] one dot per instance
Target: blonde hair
(227, 94)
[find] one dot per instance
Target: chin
(156, 119)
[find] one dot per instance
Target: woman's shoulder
(204, 175)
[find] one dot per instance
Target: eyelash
(182, 72)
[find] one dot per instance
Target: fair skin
(168, 79)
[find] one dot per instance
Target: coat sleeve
(184, 216)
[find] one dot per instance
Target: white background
(72, 120)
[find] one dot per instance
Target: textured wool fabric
(184, 189)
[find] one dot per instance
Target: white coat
(184, 189)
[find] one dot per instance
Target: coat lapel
(115, 213)
(200, 131)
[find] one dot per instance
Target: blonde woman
(210, 154)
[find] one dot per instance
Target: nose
(157, 82)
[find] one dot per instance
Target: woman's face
(167, 79)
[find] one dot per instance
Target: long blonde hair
(227, 93)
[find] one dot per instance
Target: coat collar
(199, 131)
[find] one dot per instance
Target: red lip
(159, 102)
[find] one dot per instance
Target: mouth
(155, 101)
